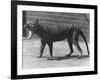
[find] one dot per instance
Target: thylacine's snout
(29, 35)
(28, 28)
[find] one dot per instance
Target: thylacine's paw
(80, 57)
(39, 56)
(88, 55)
(68, 55)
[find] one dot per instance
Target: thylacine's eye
(24, 26)
(32, 25)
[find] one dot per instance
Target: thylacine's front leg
(50, 44)
(43, 43)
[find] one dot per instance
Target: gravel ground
(31, 51)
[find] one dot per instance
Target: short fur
(50, 34)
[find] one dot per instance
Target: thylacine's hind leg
(70, 43)
(75, 41)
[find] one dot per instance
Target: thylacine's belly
(55, 37)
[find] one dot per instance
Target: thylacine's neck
(39, 31)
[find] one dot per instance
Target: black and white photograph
(53, 40)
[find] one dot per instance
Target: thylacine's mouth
(29, 35)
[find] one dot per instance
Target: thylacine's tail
(81, 33)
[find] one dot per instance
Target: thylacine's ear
(36, 21)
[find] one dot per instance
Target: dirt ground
(31, 51)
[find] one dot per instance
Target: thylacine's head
(29, 27)
(32, 25)
(33, 28)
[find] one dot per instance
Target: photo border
(14, 5)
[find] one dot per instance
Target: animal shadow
(68, 57)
